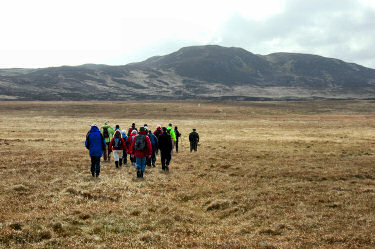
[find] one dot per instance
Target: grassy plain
(266, 175)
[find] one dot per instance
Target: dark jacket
(165, 142)
(178, 134)
(194, 137)
(95, 142)
(154, 140)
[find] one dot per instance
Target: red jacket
(122, 147)
(129, 142)
(142, 153)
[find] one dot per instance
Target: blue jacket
(95, 142)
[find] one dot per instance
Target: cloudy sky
(43, 33)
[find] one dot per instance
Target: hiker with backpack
(165, 147)
(117, 145)
(140, 149)
(194, 140)
(154, 145)
(129, 143)
(173, 135)
(124, 152)
(157, 133)
(96, 144)
(178, 135)
(107, 132)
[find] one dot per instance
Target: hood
(94, 128)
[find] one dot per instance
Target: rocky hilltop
(198, 72)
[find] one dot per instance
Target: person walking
(141, 148)
(107, 132)
(194, 140)
(178, 135)
(124, 152)
(154, 145)
(131, 129)
(129, 142)
(165, 147)
(96, 144)
(157, 133)
(117, 145)
(173, 135)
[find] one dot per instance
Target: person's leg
(143, 161)
(119, 155)
(93, 162)
(162, 156)
(138, 166)
(195, 146)
(125, 156)
(105, 153)
(153, 158)
(115, 158)
(177, 146)
(109, 152)
(97, 168)
(168, 161)
(191, 146)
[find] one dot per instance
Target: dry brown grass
(266, 175)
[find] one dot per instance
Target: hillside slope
(199, 72)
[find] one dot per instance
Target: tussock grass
(266, 175)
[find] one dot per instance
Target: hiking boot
(116, 163)
(120, 162)
(166, 168)
(153, 165)
(93, 174)
(139, 172)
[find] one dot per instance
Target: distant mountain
(199, 72)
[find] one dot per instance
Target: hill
(198, 72)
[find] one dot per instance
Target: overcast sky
(43, 33)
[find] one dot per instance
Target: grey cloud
(343, 29)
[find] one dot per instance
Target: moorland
(266, 175)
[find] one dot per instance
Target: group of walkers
(142, 146)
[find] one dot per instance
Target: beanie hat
(142, 129)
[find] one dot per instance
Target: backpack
(140, 142)
(152, 138)
(105, 132)
(117, 143)
(157, 133)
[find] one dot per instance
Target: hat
(170, 124)
(117, 127)
(134, 132)
(164, 129)
(194, 129)
(142, 128)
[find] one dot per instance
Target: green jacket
(111, 131)
(171, 132)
